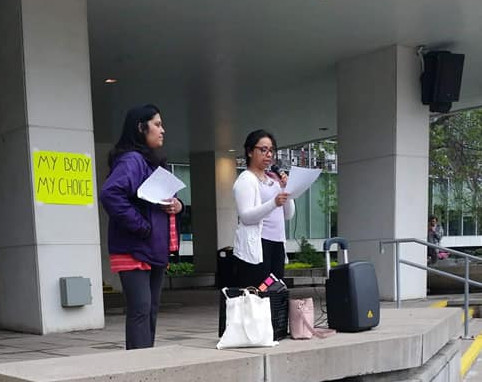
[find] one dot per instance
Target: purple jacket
(136, 227)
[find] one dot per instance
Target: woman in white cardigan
(262, 207)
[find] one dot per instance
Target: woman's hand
(281, 198)
(283, 179)
(174, 206)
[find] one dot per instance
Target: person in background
(141, 234)
(435, 233)
(262, 207)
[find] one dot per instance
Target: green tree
(308, 254)
(456, 158)
(328, 194)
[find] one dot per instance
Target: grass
(180, 269)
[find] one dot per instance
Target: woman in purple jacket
(140, 233)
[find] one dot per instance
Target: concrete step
(471, 363)
(304, 281)
(423, 339)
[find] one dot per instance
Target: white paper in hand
(159, 186)
(300, 180)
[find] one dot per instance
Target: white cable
(420, 50)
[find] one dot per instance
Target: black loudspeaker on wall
(441, 79)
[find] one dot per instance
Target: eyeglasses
(265, 150)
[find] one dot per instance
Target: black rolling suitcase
(352, 297)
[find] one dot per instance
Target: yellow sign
(370, 314)
(63, 178)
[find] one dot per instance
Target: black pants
(432, 255)
(248, 274)
(142, 291)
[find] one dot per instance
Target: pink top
(125, 262)
(274, 222)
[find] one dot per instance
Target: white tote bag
(248, 322)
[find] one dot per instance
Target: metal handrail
(466, 280)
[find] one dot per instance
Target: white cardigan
(247, 240)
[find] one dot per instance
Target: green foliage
(478, 252)
(298, 265)
(456, 160)
(309, 255)
(328, 193)
(326, 150)
(180, 269)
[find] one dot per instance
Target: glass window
(316, 215)
(455, 223)
(469, 225)
(183, 173)
(318, 220)
(298, 227)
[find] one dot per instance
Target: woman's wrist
(177, 206)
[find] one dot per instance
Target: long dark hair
(133, 138)
(253, 138)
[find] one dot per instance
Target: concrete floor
(186, 317)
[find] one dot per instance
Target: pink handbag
(301, 317)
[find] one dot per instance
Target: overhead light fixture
(110, 81)
(231, 151)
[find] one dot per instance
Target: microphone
(275, 168)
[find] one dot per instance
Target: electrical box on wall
(75, 291)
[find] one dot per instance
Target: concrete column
(213, 208)
(45, 106)
(383, 163)
(213, 167)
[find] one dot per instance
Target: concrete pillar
(45, 106)
(213, 167)
(213, 209)
(383, 163)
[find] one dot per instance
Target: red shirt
(125, 262)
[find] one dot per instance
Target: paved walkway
(187, 317)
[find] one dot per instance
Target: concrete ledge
(171, 363)
(445, 366)
(192, 281)
(406, 340)
(308, 272)
(441, 284)
(301, 281)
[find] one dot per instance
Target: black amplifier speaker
(352, 298)
(441, 79)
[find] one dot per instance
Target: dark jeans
(432, 255)
(142, 291)
(248, 274)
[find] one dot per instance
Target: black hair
(133, 138)
(253, 138)
(432, 217)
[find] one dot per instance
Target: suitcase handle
(342, 243)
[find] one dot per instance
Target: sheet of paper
(159, 186)
(300, 179)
